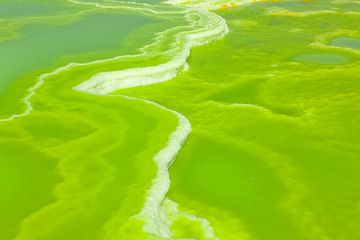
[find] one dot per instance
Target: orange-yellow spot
(224, 7)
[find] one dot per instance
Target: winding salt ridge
(212, 27)
(174, 212)
(154, 213)
(32, 91)
(137, 7)
(158, 212)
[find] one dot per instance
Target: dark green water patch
(297, 6)
(246, 93)
(224, 175)
(21, 8)
(346, 42)
(41, 45)
(250, 93)
(321, 58)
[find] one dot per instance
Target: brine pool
(179, 120)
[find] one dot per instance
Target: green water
(346, 42)
(273, 153)
(321, 58)
(274, 147)
(21, 8)
(41, 45)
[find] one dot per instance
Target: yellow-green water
(273, 106)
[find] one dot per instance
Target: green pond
(40, 45)
(321, 58)
(274, 147)
(346, 42)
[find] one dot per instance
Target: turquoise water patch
(346, 42)
(41, 45)
(297, 6)
(15, 9)
(321, 58)
(348, 6)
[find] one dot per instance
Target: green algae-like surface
(273, 106)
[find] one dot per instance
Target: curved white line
(157, 221)
(209, 27)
